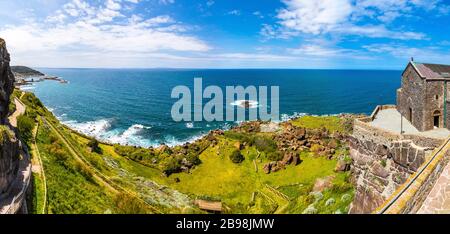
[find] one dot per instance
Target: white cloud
(327, 49)
(369, 18)
(166, 2)
(317, 50)
(426, 54)
(253, 57)
(79, 28)
(314, 17)
(258, 14)
(234, 12)
(379, 31)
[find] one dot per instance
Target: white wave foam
(286, 117)
(245, 103)
(27, 87)
(131, 136)
(92, 128)
(190, 125)
(172, 141)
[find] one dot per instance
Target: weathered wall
(434, 102)
(382, 161)
(425, 184)
(411, 95)
(9, 145)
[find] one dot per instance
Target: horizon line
(215, 68)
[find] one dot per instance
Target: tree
(274, 156)
(236, 156)
(25, 126)
(94, 145)
(170, 165)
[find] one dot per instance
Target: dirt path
(11, 203)
(20, 110)
(39, 166)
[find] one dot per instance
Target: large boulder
(323, 183)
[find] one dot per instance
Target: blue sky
(336, 34)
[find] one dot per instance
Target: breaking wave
(245, 103)
(27, 87)
(103, 130)
(190, 125)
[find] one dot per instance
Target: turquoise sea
(133, 106)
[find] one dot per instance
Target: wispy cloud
(81, 27)
(166, 2)
(431, 54)
(367, 18)
(258, 14)
(234, 12)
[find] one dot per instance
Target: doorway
(437, 119)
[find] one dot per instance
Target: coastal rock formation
(9, 160)
(9, 144)
(21, 72)
(6, 81)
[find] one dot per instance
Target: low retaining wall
(411, 195)
(383, 161)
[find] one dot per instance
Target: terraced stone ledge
(409, 197)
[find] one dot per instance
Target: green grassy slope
(243, 188)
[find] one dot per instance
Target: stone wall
(413, 204)
(434, 102)
(411, 95)
(382, 161)
(411, 196)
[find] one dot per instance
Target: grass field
(332, 123)
(243, 187)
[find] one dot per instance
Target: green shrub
(170, 165)
(25, 126)
(11, 107)
(265, 144)
(274, 156)
(193, 159)
(56, 150)
(94, 145)
(129, 205)
(236, 156)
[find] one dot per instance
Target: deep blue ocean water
(133, 106)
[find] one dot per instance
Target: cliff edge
(10, 152)
(6, 81)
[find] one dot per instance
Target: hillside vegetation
(25, 71)
(296, 167)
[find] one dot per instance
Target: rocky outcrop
(6, 81)
(25, 72)
(9, 144)
(9, 160)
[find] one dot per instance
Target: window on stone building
(436, 97)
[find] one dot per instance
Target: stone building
(422, 98)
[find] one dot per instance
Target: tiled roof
(431, 71)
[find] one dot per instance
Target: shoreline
(193, 138)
